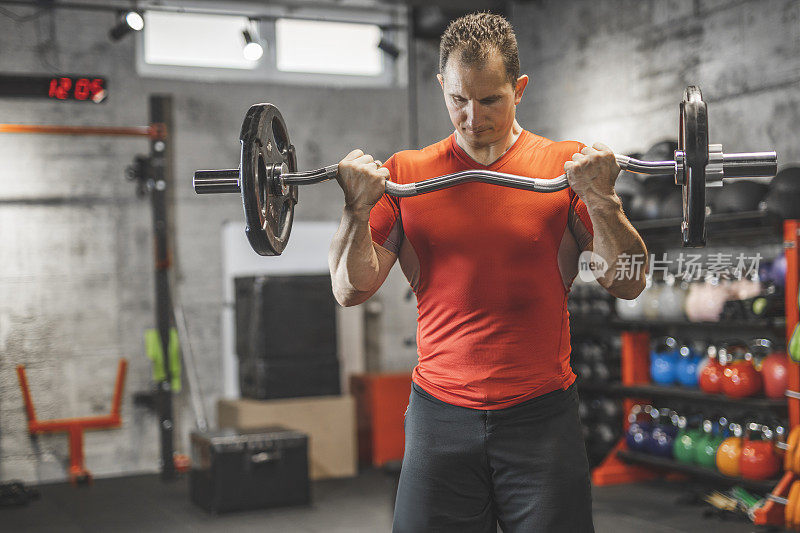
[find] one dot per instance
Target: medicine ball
(783, 198)
(737, 196)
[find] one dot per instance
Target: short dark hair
(475, 36)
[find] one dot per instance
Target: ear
(441, 80)
(519, 90)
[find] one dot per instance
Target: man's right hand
(363, 181)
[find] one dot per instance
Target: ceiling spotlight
(130, 21)
(252, 50)
(389, 48)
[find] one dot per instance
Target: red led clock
(71, 88)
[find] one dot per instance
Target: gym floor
(360, 504)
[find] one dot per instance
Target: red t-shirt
(491, 267)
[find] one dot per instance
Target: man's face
(480, 99)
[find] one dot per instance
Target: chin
(481, 136)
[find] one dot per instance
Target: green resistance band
(155, 353)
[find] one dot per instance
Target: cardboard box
(329, 422)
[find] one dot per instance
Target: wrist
(358, 213)
(602, 205)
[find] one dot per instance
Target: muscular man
(492, 429)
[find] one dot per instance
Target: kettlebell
(738, 196)
(775, 373)
(730, 451)
(663, 361)
(640, 424)
(606, 410)
(783, 198)
(745, 288)
(779, 438)
(684, 448)
(649, 204)
(705, 301)
(629, 187)
(663, 435)
(758, 458)
(740, 379)
(633, 309)
(778, 271)
(706, 446)
(652, 301)
(686, 368)
(710, 379)
(672, 299)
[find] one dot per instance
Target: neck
(489, 153)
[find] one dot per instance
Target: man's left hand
(592, 173)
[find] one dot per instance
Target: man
(492, 430)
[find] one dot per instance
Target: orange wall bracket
(74, 426)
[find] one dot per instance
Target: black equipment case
(235, 470)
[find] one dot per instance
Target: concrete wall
(76, 282)
(76, 285)
(615, 71)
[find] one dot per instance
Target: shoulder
(430, 158)
(562, 149)
(425, 155)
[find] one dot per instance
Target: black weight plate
(268, 212)
(693, 142)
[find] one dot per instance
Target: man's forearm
(352, 259)
(614, 237)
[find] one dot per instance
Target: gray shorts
(466, 470)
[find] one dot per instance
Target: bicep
(386, 260)
(581, 226)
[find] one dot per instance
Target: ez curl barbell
(267, 177)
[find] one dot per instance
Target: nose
(473, 113)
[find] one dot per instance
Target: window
(328, 47)
(335, 46)
(194, 40)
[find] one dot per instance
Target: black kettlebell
(661, 151)
(737, 196)
(672, 205)
(783, 198)
(656, 190)
(628, 187)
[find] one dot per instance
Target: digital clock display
(72, 88)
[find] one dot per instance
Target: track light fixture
(389, 48)
(252, 50)
(129, 21)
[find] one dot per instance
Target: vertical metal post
(411, 64)
(161, 117)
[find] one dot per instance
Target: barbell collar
(714, 168)
(750, 165)
(216, 181)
